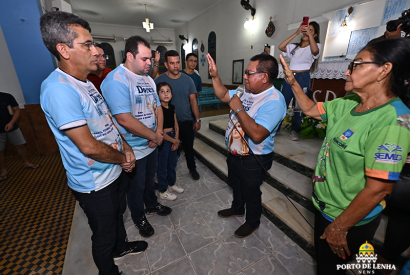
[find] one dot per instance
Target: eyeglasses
(193, 60)
(248, 73)
(353, 64)
(88, 44)
(103, 56)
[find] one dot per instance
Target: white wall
(234, 42)
(9, 82)
(121, 32)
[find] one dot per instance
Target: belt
(244, 157)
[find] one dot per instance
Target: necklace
(374, 105)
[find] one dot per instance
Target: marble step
(300, 156)
(273, 200)
(291, 183)
(275, 204)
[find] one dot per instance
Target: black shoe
(144, 228)
(194, 174)
(226, 213)
(244, 231)
(131, 248)
(160, 209)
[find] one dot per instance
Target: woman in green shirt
(366, 145)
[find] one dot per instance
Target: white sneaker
(176, 189)
(294, 135)
(167, 196)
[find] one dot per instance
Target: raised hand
(157, 57)
(213, 71)
(289, 77)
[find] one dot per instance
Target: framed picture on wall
(237, 71)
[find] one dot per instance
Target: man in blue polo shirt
(92, 150)
(257, 113)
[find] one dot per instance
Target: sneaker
(176, 188)
(167, 196)
(131, 248)
(144, 227)
(294, 135)
(159, 209)
(226, 213)
(194, 174)
(244, 231)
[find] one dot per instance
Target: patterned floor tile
(183, 214)
(196, 235)
(245, 251)
(269, 265)
(164, 250)
(222, 227)
(181, 267)
(214, 260)
(295, 259)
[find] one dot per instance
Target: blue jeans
(104, 210)
(142, 187)
(167, 161)
(245, 176)
(303, 79)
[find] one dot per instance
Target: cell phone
(305, 21)
(153, 53)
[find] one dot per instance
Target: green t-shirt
(373, 143)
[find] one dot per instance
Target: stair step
(295, 185)
(299, 156)
(273, 201)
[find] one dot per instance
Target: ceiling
(163, 13)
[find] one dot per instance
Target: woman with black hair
(366, 146)
(303, 60)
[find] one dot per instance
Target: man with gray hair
(92, 150)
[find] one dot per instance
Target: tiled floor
(193, 240)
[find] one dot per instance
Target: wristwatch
(156, 65)
(199, 121)
(237, 111)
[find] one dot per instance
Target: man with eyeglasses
(257, 113)
(97, 76)
(93, 151)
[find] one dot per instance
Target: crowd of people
(117, 129)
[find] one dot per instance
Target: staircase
(290, 175)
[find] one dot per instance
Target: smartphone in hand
(305, 21)
(152, 54)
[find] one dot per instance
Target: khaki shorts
(15, 137)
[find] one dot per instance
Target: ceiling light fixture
(248, 24)
(147, 25)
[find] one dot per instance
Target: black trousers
(186, 135)
(104, 210)
(325, 258)
(245, 176)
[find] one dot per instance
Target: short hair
(191, 54)
(267, 64)
(56, 28)
(162, 84)
(132, 44)
(170, 53)
(98, 45)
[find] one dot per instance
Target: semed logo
(388, 153)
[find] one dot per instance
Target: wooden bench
(208, 97)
